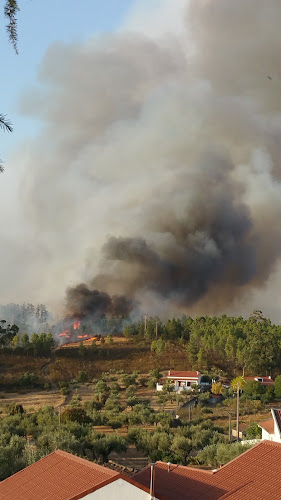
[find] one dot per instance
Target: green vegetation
(227, 343)
(119, 408)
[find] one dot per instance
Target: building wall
(181, 385)
(118, 490)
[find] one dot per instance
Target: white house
(271, 428)
(265, 381)
(182, 380)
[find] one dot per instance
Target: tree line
(226, 342)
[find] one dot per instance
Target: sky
(144, 160)
(41, 24)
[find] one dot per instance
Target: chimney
(169, 466)
(152, 474)
(269, 376)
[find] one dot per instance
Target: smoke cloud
(156, 179)
(83, 302)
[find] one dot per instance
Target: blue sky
(40, 23)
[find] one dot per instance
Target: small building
(182, 380)
(242, 431)
(265, 381)
(271, 428)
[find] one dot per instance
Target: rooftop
(262, 380)
(183, 374)
(254, 475)
(59, 476)
(268, 425)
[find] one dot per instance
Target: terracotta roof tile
(266, 380)
(268, 425)
(59, 476)
(183, 374)
(254, 475)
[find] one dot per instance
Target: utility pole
(237, 412)
(145, 323)
(189, 413)
(229, 427)
(156, 328)
(59, 414)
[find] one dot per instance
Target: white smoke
(156, 140)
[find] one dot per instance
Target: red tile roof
(268, 425)
(179, 374)
(266, 380)
(254, 475)
(58, 476)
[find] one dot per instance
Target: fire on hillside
(74, 333)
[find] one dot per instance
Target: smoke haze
(156, 178)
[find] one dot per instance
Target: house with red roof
(265, 381)
(254, 475)
(62, 476)
(271, 428)
(182, 380)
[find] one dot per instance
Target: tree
(15, 342)
(254, 431)
(277, 386)
(129, 379)
(217, 388)
(103, 446)
(101, 390)
(75, 414)
(182, 446)
(158, 346)
(237, 382)
(82, 377)
(10, 11)
(253, 389)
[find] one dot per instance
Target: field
(67, 361)
(114, 359)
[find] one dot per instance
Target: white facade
(181, 383)
(118, 490)
(276, 435)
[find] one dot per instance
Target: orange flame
(65, 334)
(76, 326)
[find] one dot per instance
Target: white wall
(118, 490)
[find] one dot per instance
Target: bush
(254, 431)
(14, 409)
(65, 391)
(143, 381)
(75, 415)
(82, 377)
(28, 380)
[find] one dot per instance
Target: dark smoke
(171, 155)
(85, 303)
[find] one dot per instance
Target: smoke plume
(156, 179)
(83, 302)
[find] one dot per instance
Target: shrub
(75, 415)
(82, 377)
(28, 380)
